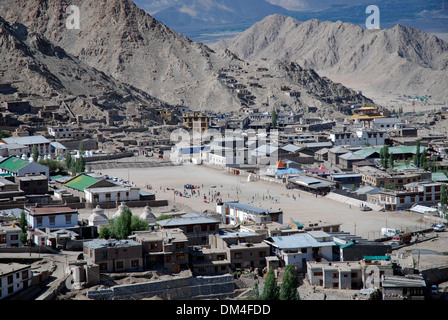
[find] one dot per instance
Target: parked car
(366, 208)
(439, 227)
(434, 289)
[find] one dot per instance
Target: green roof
(366, 152)
(376, 257)
(14, 164)
(439, 177)
(81, 182)
(347, 245)
(298, 224)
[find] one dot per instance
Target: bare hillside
(400, 60)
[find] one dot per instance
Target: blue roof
(192, 150)
(299, 240)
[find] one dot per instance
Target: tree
(384, 156)
(35, 153)
(288, 288)
(123, 226)
(4, 134)
(68, 160)
(256, 291)
(274, 117)
(80, 165)
(270, 289)
(391, 160)
(23, 224)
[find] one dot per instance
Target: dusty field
(303, 207)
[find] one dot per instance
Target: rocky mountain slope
(400, 60)
(127, 44)
(45, 72)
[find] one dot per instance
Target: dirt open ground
(303, 207)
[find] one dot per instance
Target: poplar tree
(288, 288)
(270, 289)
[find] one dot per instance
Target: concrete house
(164, 249)
(10, 236)
(196, 226)
(298, 249)
(114, 255)
(20, 168)
(335, 275)
(51, 217)
(42, 143)
(243, 249)
(235, 213)
(14, 277)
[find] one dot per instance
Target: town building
(298, 249)
(18, 167)
(196, 121)
(335, 275)
(243, 249)
(196, 226)
(42, 144)
(14, 277)
(10, 235)
(361, 137)
(51, 217)
(114, 255)
(235, 213)
(403, 288)
(165, 249)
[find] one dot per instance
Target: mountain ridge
(341, 50)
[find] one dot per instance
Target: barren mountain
(124, 42)
(118, 38)
(400, 60)
(46, 72)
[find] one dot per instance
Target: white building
(111, 194)
(19, 167)
(299, 248)
(358, 138)
(51, 217)
(14, 277)
(42, 143)
(60, 132)
(236, 213)
(10, 236)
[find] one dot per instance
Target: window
(68, 219)
(335, 275)
(179, 245)
(180, 256)
(39, 222)
(52, 220)
(135, 264)
(168, 259)
(119, 265)
(238, 255)
(104, 255)
(318, 274)
(2, 238)
(10, 279)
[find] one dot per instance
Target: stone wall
(213, 287)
